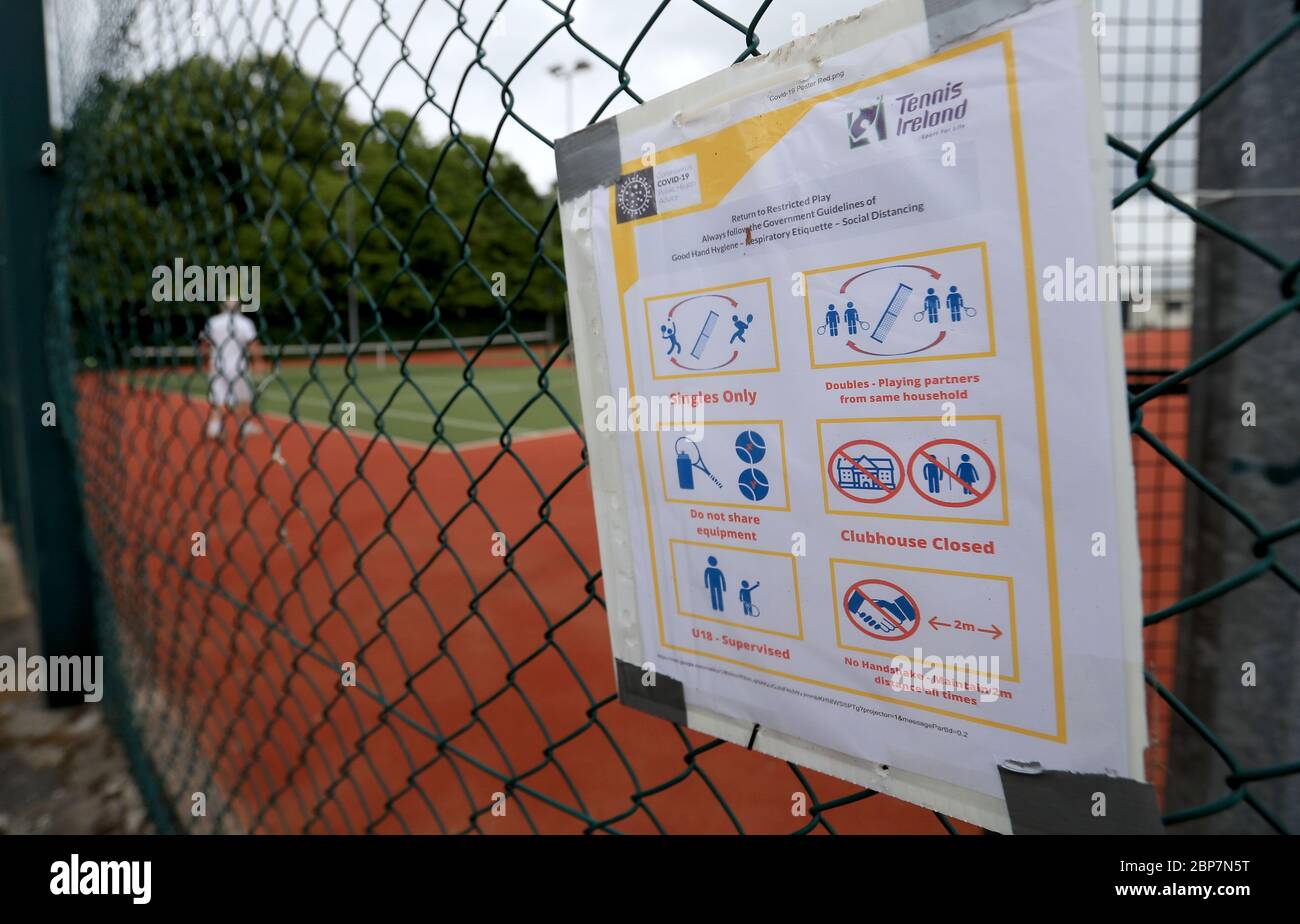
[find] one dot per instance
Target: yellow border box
(794, 572)
(733, 150)
(1013, 677)
(785, 468)
(1002, 471)
(928, 357)
(709, 290)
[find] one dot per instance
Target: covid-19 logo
(636, 195)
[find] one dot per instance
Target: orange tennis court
(482, 680)
(471, 669)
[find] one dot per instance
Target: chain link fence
(374, 604)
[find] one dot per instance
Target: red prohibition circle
(863, 629)
(830, 471)
(993, 474)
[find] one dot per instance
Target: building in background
(1150, 72)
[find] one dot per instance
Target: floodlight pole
(560, 72)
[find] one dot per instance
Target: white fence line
(379, 349)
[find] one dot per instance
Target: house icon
(865, 473)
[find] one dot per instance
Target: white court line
(402, 441)
(442, 447)
(479, 383)
(407, 442)
(411, 415)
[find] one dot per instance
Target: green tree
(241, 164)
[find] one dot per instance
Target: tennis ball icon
(753, 484)
(751, 447)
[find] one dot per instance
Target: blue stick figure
(955, 303)
(832, 321)
(741, 327)
(931, 306)
(851, 318)
(933, 474)
(716, 583)
(669, 332)
(747, 597)
(967, 473)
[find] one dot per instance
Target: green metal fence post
(1236, 654)
(41, 491)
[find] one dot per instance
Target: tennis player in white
(229, 344)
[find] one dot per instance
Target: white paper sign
(859, 441)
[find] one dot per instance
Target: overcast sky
(359, 45)
(408, 54)
(350, 44)
(685, 43)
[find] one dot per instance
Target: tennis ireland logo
(866, 121)
(916, 111)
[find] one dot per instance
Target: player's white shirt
(229, 334)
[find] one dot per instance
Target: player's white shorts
(229, 392)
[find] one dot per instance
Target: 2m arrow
(992, 630)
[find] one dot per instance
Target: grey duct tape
(665, 700)
(949, 20)
(587, 159)
(1059, 802)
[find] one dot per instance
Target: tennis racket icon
(692, 452)
(969, 309)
